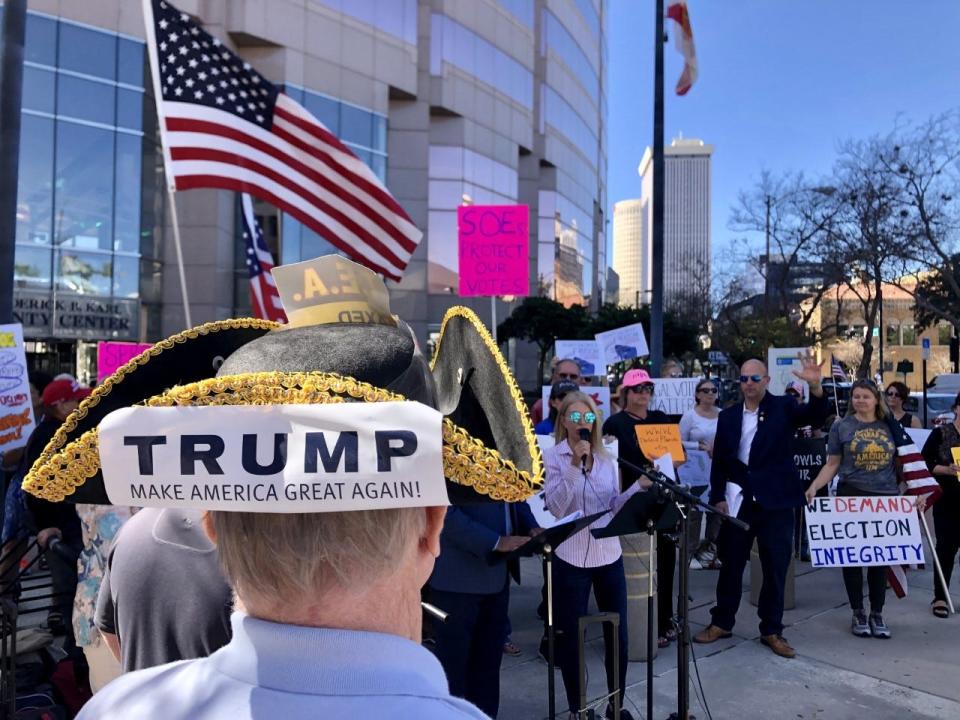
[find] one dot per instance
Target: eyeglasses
(568, 376)
(712, 391)
(644, 388)
(576, 415)
(892, 393)
(751, 378)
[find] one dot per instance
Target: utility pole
(767, 201)
(656, 305)
(11, 84)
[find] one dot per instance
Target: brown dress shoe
(711, 633)
(779, 646)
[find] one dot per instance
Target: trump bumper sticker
(275, 458)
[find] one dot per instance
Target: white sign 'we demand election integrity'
(862, 531)
(275, 458)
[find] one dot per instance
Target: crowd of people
(139, 589)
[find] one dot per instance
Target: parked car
(842, 391)
(945, 382)
(938, 409)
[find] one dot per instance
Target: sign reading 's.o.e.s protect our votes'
(275, 458)
(494, 250)
(864, 531)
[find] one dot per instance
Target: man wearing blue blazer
(471, 586)
(754, 477)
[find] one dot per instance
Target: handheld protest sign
(660, 439)
(864, 531)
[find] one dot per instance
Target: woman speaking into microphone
(582, 476)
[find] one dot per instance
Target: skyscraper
(686, 271)
(628, 234)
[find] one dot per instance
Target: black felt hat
(490, 450)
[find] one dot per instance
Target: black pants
(876, 582)
(666, 568)
(470, 644)
(773, 531)
(946, 519)
(572, 598)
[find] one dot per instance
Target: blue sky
(782, 83)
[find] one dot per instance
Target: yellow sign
(956, 458)
(332, 289)
(657, 440)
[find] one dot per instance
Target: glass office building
(487, 102)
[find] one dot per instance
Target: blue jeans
(571, 600)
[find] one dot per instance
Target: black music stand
(679, 498)
(545, 544)
(644, 512)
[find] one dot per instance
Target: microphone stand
(683, 499)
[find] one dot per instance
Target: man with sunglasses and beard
(752, 455)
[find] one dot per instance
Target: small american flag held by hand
(914, 479)
(264, 297)
(225, 126)
(836, 370)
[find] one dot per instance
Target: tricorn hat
(244, 377)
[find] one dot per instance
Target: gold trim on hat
(536, 467)
(59, 438)
(465, 460)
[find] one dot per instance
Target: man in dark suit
(469, 585)
(752, 450)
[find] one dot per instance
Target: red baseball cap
(63, 390)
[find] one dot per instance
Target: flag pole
(936, 564)
(656, 300)
(150, 29)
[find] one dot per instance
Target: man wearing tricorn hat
(322, 452)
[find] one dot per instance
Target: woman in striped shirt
(582, 476)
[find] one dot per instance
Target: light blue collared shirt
(269, 670)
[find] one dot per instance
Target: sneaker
(859, 626)
(695, 564)
(706, 554)
(878, 628)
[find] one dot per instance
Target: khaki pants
(103, 666)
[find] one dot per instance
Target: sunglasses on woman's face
(892, 393)
(576, 416)
(712, 391)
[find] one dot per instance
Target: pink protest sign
(111, 355)
(494, 250)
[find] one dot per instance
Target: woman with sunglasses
(938, 454)
(582, 476)
(897, 394)
(698, 427)
(638, 390)
(861, 448)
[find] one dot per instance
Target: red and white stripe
(678, 12)
(298, 166)
(915, 479)
(264, 296)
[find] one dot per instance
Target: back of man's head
(282, 558)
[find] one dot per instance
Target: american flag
(915, 479)
(225, 126)
(263, 290)
(836, 369)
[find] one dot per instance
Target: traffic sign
(925, 348)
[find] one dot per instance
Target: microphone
(584, 435)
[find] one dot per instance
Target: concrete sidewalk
(835, 675)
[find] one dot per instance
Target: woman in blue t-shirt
(862, 451)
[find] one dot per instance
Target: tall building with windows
(488, 101)
(686, 232)
(628, 220)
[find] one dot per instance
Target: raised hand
(810, 370)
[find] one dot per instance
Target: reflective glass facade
(394, 17)
(459, 46)
(85, 197)
(364, 132)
